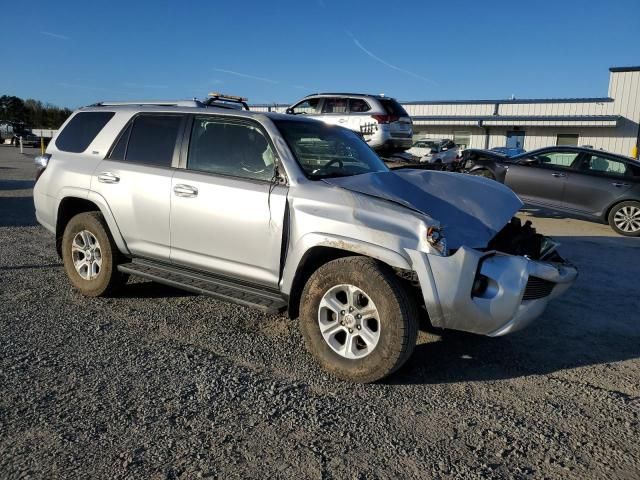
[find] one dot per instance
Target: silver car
(382, 121)
(283, 212)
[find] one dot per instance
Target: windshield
(325, 151)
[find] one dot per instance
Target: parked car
(382, 121)
(28, 140)
(590, 183)
(429, 150)
(509, 151)
(282, 212)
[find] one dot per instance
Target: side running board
(223, 288)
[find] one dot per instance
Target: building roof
(625, 69)
(509, 101)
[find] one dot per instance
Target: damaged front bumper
(514, 290)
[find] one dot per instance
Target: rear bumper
(518, 289)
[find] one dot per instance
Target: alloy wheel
(86, 255)
(627, 219)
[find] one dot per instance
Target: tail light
(41, 162)
(386, 118)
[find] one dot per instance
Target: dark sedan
(581, 181)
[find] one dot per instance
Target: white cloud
(55, 35)
(387, 64)
(246, 75)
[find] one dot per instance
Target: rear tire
(379, 343)
(90, 256)
(624, 218)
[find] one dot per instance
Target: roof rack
(223, 99)
(160, 103)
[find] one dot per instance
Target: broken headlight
(436, 238)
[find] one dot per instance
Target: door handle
(108, 177)
(186, 191)
(618, 184)
(558, 175)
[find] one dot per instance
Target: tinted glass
(393, 108)
(230, 148)
(81, 130)
(120, 149)
(308, 106)
(335, 105)
(357, 105)
(152, 139)
(328, 151)
(557, 159)
(599, 164)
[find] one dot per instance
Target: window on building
(81, 130)
(567, 139)
(462, 139)
(230, 147)
(153, 139)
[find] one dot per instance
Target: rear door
(335, 111)
(227, 212)
(360, 120)
(597, 182)
(135, 181)
(542, 178)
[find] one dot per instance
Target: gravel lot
(158, 383)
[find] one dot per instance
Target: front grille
(537, 288)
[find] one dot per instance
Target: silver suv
(283, 212)
(382, 121)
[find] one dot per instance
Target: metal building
(611, 123)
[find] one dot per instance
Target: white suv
(382, 121)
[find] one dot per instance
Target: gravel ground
(158, 383)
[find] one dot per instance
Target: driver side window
(557, 159)
(230, 147)
(309, 107)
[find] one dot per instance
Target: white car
(380, 120)
(429, 150)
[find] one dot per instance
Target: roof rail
(160, 103)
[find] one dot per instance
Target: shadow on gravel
(593, 323)
(151, 290)
(17, 212)
(16, 184)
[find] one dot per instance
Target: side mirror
(289, 111)
(529, 161)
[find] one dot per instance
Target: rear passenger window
(357, 105)
(120, 149)
(81, 130)
(335, 105)
(153, 139)
(600, 164)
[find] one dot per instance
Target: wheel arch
(322, 250)
(70, 206)
(613, 205)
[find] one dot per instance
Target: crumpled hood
(471, 209)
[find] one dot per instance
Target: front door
(515, 139)
(335, 111)
(541, 178)
(227, 212)
(135, 181)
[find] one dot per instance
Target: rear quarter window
(392, 107)
(81, 130)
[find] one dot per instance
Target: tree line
(32, 113)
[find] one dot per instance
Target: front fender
(310, 240)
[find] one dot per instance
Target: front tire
(624, 218)
(90, 255)
(357, 319)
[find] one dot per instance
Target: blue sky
(73, 53)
